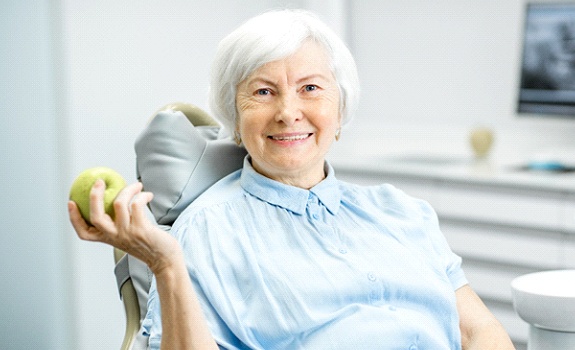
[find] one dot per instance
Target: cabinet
(502, 222)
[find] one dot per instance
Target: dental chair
(178, 156)
(546, 301)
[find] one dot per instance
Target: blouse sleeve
(427, 234)
(449, 260)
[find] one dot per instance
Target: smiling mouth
(289, 137)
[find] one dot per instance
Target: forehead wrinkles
(310, 62)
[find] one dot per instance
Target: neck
(301, 182)
(301, 179)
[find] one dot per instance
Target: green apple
(80, 190)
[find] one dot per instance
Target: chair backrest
(178, 156)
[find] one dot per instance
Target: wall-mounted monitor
(547, 86)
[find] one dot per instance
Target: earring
(337, 134)
(237, 138)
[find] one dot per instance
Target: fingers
(130, 216)
(122, 203)
(98, 216)
(138, 207)
(83, 230)
(76, 218)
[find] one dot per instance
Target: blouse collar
(289, 197)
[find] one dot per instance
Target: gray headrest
(177, 161)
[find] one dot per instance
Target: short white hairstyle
(269, 37)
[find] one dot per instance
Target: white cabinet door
(501, 206)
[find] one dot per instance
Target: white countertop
(455, 169)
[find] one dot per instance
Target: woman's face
(288, 115)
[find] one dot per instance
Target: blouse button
(371, 277)
(315, 216)
(343, 250)
(413, 347)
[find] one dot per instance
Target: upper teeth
(290, 138)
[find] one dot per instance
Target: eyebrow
(259, 79)
(312, 76)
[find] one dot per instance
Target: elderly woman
(280, 254)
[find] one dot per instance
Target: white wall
(79, 80)
(35, 271)
(432, 70)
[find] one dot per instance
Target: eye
(310, 87)
(263, 92)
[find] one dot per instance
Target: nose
(289, 109)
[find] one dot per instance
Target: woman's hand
(131, 231)
(184, 323)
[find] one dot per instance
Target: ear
(237, 136)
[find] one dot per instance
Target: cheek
(257, 117)
(251, 129)
(329, 116)
(329, 109)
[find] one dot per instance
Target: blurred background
(80, 79)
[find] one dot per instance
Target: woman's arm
(184, 326)
(183, 323)
(479, 328)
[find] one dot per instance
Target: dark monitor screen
(547, 85)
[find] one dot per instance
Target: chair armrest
(129, 299)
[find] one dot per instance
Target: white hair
(272, 36)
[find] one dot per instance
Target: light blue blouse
(340, 266)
